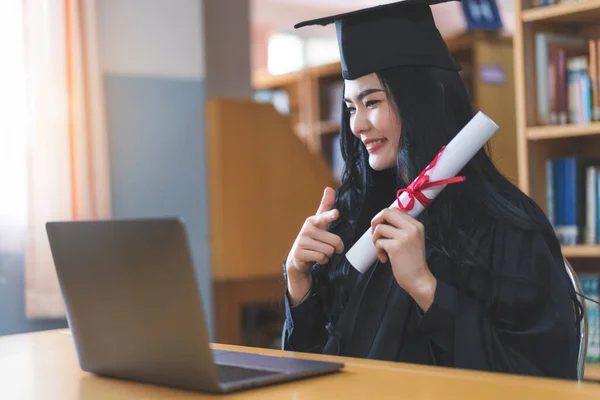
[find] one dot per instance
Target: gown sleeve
(304, 327)
(519, 320)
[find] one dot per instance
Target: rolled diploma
(454, 157)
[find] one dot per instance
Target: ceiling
(281, 15)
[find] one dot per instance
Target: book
(578, 95)
(543, 41)
(566, 64)
(589, 286)
(591, 200)
(593, 73)
(572, 199)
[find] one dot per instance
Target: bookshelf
(583, 12)
(562, 131)
(592, 371)
(537, 141)
(315, 95)
(544, 41)
(581, 251)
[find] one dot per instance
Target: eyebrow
(364, 94)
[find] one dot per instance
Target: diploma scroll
(451, 160)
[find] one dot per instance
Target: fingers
(326, 201)
(311, 256)
(382, 245)
(392, 228)
(382, 234)
(322, 220)
(315, 245)
(384, 231)
(329, 238)
(396, 218)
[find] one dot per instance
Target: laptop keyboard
(230, 373)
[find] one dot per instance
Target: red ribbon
(421, 183)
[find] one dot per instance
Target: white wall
(153, 54)
(152, 37)
(227, 50)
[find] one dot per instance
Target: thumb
(327, 200)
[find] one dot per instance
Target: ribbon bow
(421, 183)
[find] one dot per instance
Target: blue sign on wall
(481, 15)
(492, 75)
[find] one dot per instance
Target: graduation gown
(524, 324)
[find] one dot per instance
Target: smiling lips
(374, 145)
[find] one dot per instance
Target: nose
(359, 123)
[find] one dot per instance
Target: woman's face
(373, 120)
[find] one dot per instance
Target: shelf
(265, 81)
(327, 128)
(581, 251)
(302, 130)
(465, 41)
(567, 13)
(331, 70)
(592, 372)
(460, 43)
(562, 131)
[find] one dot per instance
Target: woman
(478, 281)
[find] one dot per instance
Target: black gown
(524, 325)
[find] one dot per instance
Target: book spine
(572, 91)
(593, 74)
(542, 75)
(598, 207)
(589, 285)
(559, 198)
(571, 227)
(596, 68)
(579, 98)
(550, 212)
(552, 93)
(562, 88)
(586, 90)
(590, 194)
(587, 99)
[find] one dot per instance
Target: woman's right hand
(314, 244)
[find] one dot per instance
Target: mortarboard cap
(389, 35)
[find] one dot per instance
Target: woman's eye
(371, 103)
(350, 110)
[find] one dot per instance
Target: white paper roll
(454, 157)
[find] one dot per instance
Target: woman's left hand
(400, 238)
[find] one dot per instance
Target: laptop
(135, 312)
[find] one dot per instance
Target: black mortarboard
(389, 35)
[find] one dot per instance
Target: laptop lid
(132, 301)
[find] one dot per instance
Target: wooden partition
(263, 184)
(494, 93)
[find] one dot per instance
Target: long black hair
(433, 106)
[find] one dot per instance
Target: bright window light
(13, 125)
(285, 53)
(321, 50)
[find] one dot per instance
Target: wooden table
(43, 365)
